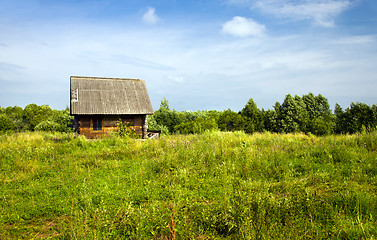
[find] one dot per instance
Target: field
(217, 185)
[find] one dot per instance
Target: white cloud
(150, 16)
(243, 27)
(321, 12)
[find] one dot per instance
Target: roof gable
(109, 96)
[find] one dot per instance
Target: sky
(199, 55)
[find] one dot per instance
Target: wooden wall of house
(109, 124)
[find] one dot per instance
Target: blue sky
(200, 55)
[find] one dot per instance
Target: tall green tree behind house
(166, 117)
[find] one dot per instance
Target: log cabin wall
(96, 126)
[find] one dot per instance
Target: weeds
(209, 186)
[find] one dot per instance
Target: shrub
(48, 126)
(6, 123)
(153, 125)
(199, 125)
(126, 129)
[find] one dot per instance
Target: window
(97, 124)
(75, 95)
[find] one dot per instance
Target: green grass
(216, 185)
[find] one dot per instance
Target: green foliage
(166, 117)
(357, 118)
(6, 123)
(340, 119)
(309, 114)
(153, 125)
(253, 117)
(293, 113)
(231, 121)
(199, 125)
(320, 120)
(62, 118)
(47, 125)
(172, 121)
(216, 185)
(16, 115)
(126, 129)
(35, 114)
(361, 116)
(41, 118)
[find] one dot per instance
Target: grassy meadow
(216, 185)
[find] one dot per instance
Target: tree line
(307, 114)
(34, 118)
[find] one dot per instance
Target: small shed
(98, 104)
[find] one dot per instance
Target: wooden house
(98, 104)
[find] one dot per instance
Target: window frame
(97, 124)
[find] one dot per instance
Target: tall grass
(210, 186)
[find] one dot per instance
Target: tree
(361, 116)
(166, 117)
(231, 121)
(291, 113)
(16, 115)
(34, 114)
(301, 116)
(276, 119)
(48, 125)
(340, 125)
(153, 125)
(62, 118)
(319, 119)
(374, 116)
(6, 123)
(270, 120)
(253, 117)
(198, 125)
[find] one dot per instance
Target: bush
(48, 126)
(126, 129)
(199, 125)
(231, 121)
(6, 123)
(153, 125)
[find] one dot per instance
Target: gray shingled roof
(109, 96)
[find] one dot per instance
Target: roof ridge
(105, 78)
